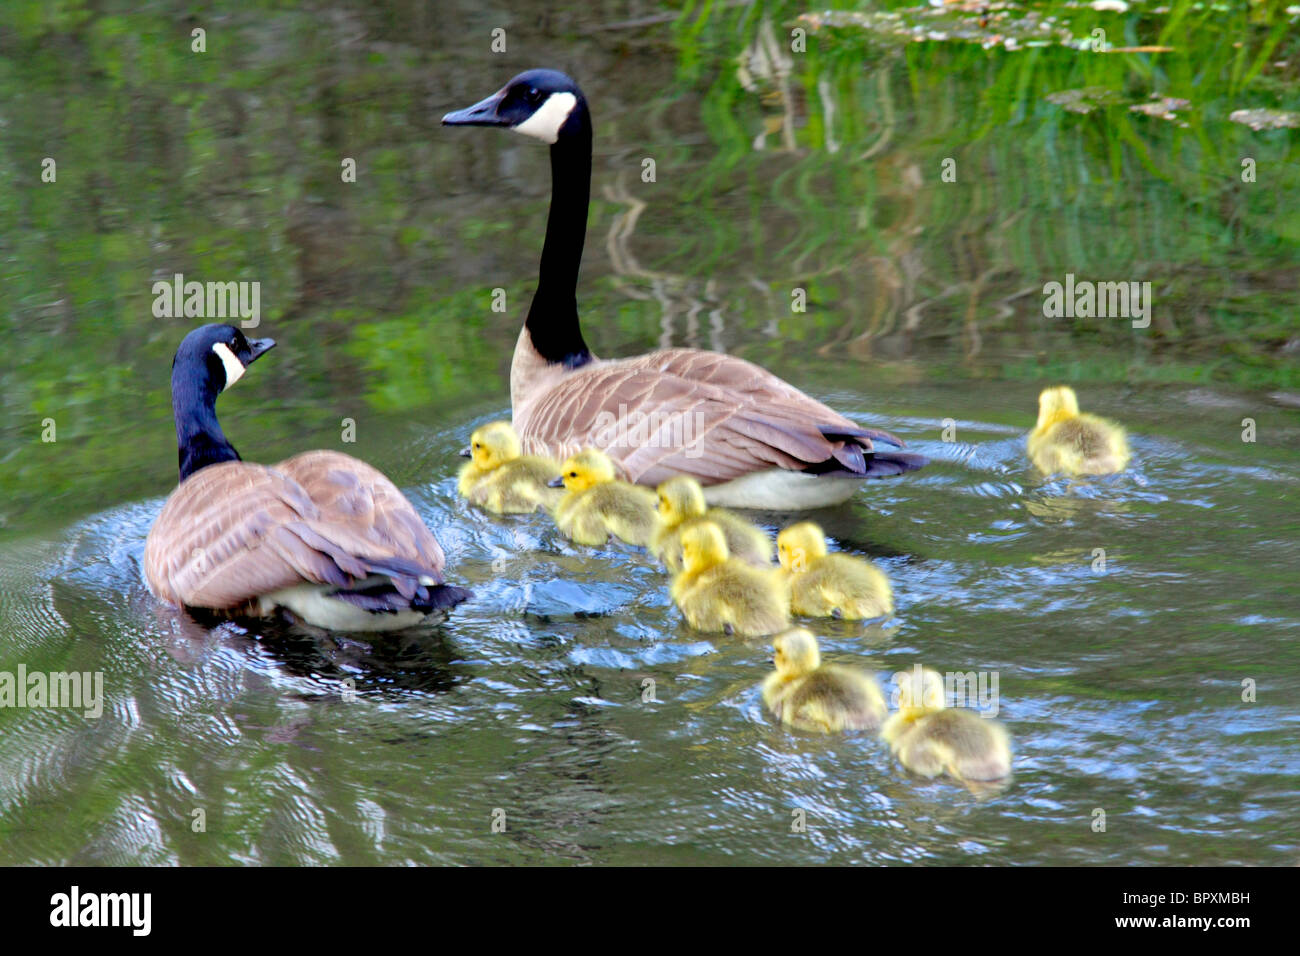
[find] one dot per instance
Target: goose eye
(534, 95)
(573, 474)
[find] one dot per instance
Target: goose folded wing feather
(223, 532)
(765, 425)
(248, 530)
(364, 514)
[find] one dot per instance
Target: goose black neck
(553, 317)
(199, 439)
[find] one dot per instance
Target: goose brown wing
(236, 530)
(683, 411)
(364, 513)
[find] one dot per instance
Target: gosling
(830, 585)
(717, 592)
(681, 506)
(1075, 443)
(499, 478)
(596, 504)
(930, 739)
(809, 695)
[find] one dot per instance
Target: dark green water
(1122, 688)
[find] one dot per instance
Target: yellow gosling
(500, 479)
(681, 506)
(717, 592)
(1073, 442)
(596, 504)
(809, 695)
(830, 585)
(929, 738)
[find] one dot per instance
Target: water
(1121, 687)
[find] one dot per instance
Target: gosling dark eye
(573, 474)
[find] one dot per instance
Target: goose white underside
(312, 604)
(778, 489)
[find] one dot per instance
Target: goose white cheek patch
(550, 116)
(234, 367)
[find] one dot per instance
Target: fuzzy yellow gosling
(681, 506)
(596, 504)
(929, 738)
(830, 585)
(809, 695)
(717, 592)
(500, 479)
(1076, 443)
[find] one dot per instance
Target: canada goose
(807, 694)
(752, 439)
(682, 506)
(596, 504)
(716, 592)
(1075, 443)
(501, 479)
(929, 738)
(321, 534)
(830, 585)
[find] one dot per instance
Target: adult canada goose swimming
(320, 534)
(752, 440)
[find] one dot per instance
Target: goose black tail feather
(882, 464)
(842, 433)
(404, 574)
(879, 464)
(440, 597)
(385, 598)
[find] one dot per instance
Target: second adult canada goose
(752, 439)
(321, 534)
